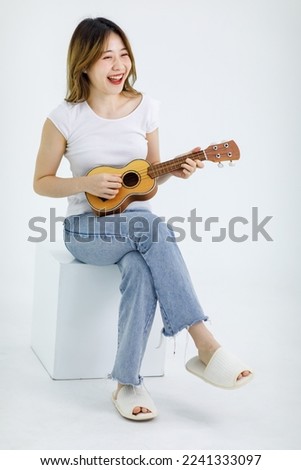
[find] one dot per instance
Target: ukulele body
(137, 185)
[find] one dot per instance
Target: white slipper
(129, 397)
(222, 370)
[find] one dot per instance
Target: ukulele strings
(169, 166)
(162, 168)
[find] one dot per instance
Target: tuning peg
(220, 165)
(231, 163)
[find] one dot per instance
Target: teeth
(116, 77)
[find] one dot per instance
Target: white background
(222, 69)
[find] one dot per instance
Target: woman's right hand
(104, 185)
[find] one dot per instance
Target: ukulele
(139, 176)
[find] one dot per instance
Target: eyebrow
(109, 50)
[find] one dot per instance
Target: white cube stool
(75, 315)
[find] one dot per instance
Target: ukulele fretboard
(175, 164)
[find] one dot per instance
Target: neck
(164, 168)
(105, 105)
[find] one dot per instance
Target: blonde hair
(86, 46)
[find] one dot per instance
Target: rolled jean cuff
(170, 334)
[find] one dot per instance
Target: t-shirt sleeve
(60, 117)
(153, 115)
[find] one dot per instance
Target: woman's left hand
(189, 167)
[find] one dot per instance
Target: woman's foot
(207, 345)
(136, 410)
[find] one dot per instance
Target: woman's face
(108, 74)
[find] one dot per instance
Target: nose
(118, 65)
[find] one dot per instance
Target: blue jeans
(152, 269)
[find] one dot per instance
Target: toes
(136, 410)
(244, 373)
(139, 409)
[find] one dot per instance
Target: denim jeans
(152, 269)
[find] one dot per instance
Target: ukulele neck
(164, 168)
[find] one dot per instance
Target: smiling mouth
(116, 79)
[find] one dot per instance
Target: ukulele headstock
(223, 152)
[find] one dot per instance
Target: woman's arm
(46, 183)
(153, 154)
(153, 157)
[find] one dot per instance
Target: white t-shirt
(93, 140)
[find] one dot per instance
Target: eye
(106, 57)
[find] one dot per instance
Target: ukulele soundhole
(130, 179)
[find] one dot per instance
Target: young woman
(105, 121)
